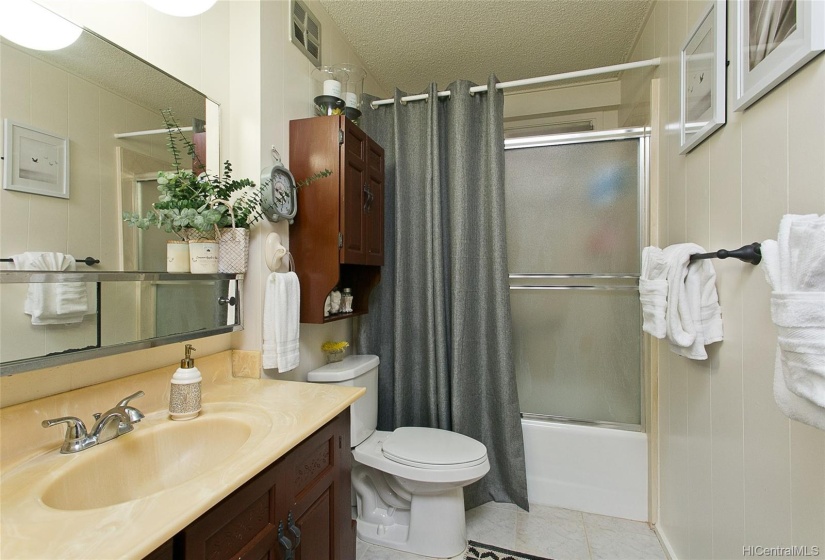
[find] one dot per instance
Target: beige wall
(734, 471)
(238, 53)
(537, 111)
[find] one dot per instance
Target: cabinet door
(353, 184)
(319, 474)
(242, 526)
(374, 205)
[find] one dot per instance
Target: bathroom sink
(152, 458)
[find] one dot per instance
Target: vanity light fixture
(181, 8)
(33, 26)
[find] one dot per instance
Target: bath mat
(477, 551)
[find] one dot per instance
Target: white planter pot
(177, 256)
(203, 256)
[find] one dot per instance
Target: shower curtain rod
(151, 132)
(532, 81)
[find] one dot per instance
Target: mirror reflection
(104, 106)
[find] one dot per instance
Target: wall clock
(278, 199)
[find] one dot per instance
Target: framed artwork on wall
(702, 78)
(36, 161)
(774, 39)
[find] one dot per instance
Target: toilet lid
(432, 448)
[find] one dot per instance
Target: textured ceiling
(120, 72)
(410, 43)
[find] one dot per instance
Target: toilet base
(436, 526)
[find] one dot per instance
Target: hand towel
(53, 304)
(281, 322)
(653, 292)
(794, 267)
(694, 317)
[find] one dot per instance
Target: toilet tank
(355, 371)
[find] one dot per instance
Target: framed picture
(774, 39)
(702, 72)
(36, 161)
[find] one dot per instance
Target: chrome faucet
(108, 425)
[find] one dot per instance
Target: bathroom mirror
(106, 103)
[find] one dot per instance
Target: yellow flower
(329, 346)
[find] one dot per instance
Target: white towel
(53, 304)
(794, 267)
(694, 317)
(281, 328)
(653, 292)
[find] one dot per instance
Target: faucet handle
(133, 414)
(125, 401)
(76, 438)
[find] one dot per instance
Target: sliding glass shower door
(574, 206)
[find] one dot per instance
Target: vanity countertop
(284, 412)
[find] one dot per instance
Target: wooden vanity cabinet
(338, 235)
(308, 488)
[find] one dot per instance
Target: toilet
(408, 484)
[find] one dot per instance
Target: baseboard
(664, 542)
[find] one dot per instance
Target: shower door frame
(642, 134)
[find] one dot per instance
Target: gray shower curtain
(440, 317)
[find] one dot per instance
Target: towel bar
(748, 253)
(88, 261)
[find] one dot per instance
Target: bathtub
(586, 468)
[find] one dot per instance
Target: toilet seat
(371, 453)
(430, 448)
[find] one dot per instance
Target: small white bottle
(185, 394)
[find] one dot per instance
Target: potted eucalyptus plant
(203, 206)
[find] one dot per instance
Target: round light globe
(33, 26)
(181, 8)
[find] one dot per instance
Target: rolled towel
(806, 243)
(792, 405)
(653, 292)
(794, 267)
(53, 304)
(800, 321)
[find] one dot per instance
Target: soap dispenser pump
(185, 394)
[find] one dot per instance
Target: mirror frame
(51, 360)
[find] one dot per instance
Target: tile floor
(560, 534)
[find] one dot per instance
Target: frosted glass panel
(573, 208)
(578, 353)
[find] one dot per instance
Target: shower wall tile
(807, 459)
(765, 165)
(725, 188)
(727, 508)
(112, 120)
(697, 190)
(700, 459)
(49, 101)
(806, 142)
(84, 232)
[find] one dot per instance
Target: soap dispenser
(185, 394)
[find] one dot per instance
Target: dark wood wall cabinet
(338, 235)
(298, 508)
